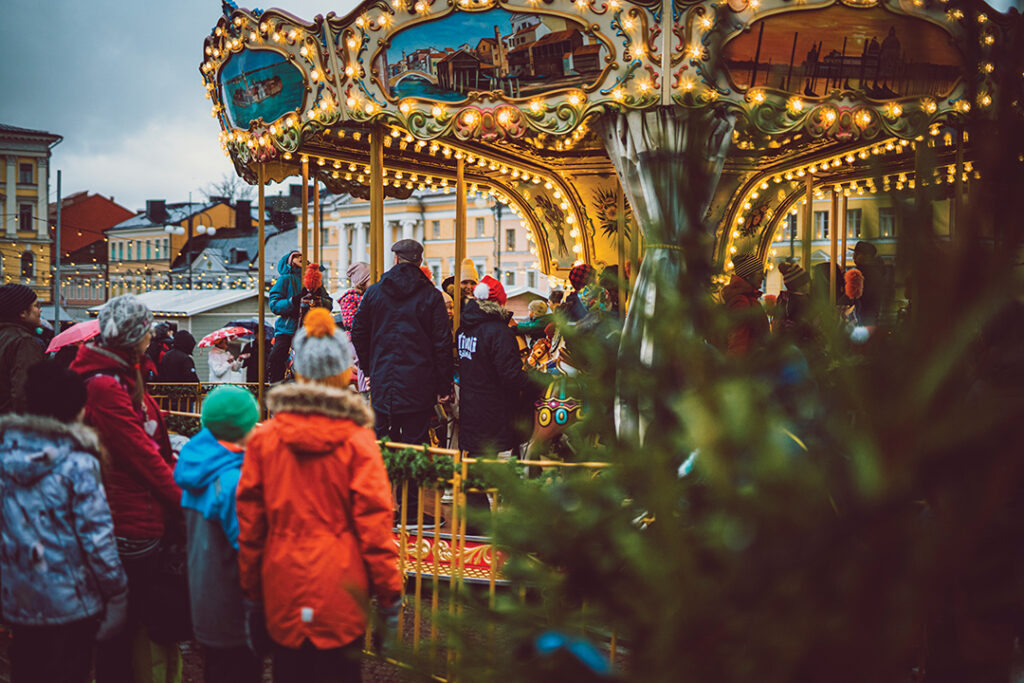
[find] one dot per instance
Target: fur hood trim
(84, 437)
(318, 399)
(494, 308)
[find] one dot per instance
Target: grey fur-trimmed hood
(82, 436)
(319, 399)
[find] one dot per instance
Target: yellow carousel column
(304, 234)
(376, 204)
(805, 258)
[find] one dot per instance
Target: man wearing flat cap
(20, 349)
(403, 340)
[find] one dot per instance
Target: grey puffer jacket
(59, 559)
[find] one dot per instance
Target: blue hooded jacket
(287, 287)
(59, 559)
(208, 473)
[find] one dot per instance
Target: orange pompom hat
(323, 353)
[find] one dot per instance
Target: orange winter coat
(315, 518)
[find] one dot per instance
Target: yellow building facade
(24, 198)
(496, 241)
(141, 250)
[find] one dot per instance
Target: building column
(362, 237)
(43, 199)
(407, 229)
(11, 210)
(343, 264)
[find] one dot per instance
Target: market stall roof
(186, 303)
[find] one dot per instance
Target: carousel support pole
(843, 214)
(261, 298)
(805, 258)
(620, 201)
(304, 233)
(316, 220)
(667, 21)
(833, 274)
(460, 234)
(957, 203)
(376, 204)
(634, 255)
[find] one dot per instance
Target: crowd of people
(273, 538)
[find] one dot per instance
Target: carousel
(673, 135)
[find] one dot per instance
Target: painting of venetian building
(872, 51)
(517, 54)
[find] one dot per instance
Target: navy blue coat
(403, 340)
(491, 379)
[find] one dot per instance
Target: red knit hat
(312, 279)
(854, 283)
(489, 289)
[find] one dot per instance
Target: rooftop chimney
(156, 210)
(243, 215)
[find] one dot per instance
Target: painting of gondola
(260, 84)
(519, 55)
(871, 51)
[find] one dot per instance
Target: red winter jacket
(314, 517)
(140, 480)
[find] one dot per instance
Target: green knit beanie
(230, 412)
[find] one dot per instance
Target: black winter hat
(15, 299)
(54, 391)
(184, 341)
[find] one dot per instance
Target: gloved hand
(386, 635)
(297, 299)
(114, 617)
(256, 636)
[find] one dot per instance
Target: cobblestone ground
(374, 671)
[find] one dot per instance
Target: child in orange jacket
(314, 514)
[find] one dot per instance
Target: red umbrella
(224, 333)
(78, 332)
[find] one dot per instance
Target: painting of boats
(519, 55)
(872, 51)
(260, 84)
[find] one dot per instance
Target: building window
(324, 232)
(886, 222)
(113, 251)
(24, 217)
(156, 249)
(149, 248)
(510, 277)
(436, 227)
(120, 251)
(435, 268)
(130, 245)
(28, 265)
(510, 240)
(821, 225)
(25, 174)
(479, 227)
(531, 279)
(853, 222)
(481, 268)
(167, 248)
(789, 227)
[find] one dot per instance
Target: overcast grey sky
(119, 79)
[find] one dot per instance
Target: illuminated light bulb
(706, 23)
(618, 95)
(764, 185)
(535, 106)
(303, 51)
(687, 84)
(437, 112)
(988, 40)
(352, 44)
(574, 100)
(351, 102)
(644, 85)
(314, 74)
(829, 115)
(292, 35)
(795, 105)
(984, 100)
(627, 24)
(421, 7)
(694, 51)
(757, 96)
(370, 107)
(350, 71)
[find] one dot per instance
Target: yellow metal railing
(427, 556)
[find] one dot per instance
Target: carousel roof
(844, 91)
